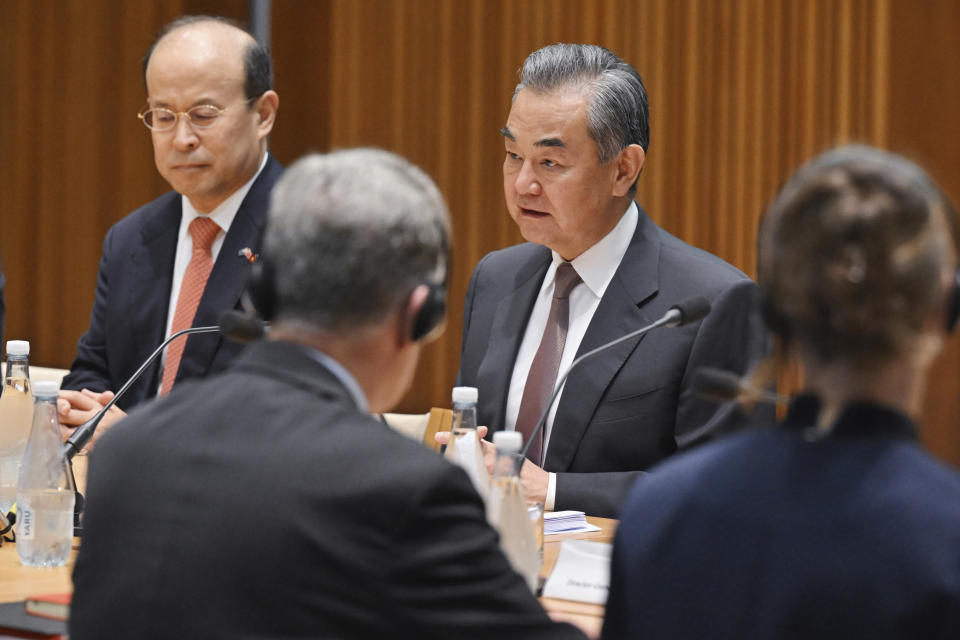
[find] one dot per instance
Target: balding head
(254, 56)
(212, 65)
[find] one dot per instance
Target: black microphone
(241, 327)
(234, 325)
(720, 385)
(690, 310)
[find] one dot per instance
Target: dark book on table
(15, 622)
(55, 606)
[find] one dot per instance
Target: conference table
(18, 582)
(588, 617)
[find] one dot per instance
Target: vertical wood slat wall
(741, 91)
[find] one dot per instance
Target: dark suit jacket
(262, 503)
(768, 534)
(632, 406)
(133, 295)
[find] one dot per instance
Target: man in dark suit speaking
(267, 502)
(183, 258)
(595, 268)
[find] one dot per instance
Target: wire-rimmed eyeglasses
(201, 116)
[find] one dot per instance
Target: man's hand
(534, 479)
(489, 450)
(76, 407)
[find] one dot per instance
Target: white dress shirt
(223, 215)
(596, 267)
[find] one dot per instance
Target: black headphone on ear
(772, 317)
(434, 308)
(953, 303)
(260, 292)
(262, 296)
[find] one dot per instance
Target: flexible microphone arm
(690, 310)
(84, 432)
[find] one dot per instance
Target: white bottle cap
(46, 388)
(18, 347)
(508, 441)
(465, 395)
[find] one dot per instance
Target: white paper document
(582, 572)
(566, 522)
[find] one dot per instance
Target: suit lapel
(509, 324)
(229, 275)
(620, 312)
(149, 298)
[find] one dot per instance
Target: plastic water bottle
(507, 509)
(464, 447)
(45, 492)
(16, 415)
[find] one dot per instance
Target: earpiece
(432, 312)
(261, 293)
(772, 316)
(434, 309)
(953, 303)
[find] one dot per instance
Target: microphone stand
(84, 432)
(664, 321)
(680, 314)
(725, 386)
(563, 379)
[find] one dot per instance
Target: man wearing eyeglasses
(182, 259)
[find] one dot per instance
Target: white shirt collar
(226, 211)
(597, 264)
(345, 377)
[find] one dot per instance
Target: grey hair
(350, 234)
(618, 114)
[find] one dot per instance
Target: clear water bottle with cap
(464, 447)
(45, 493)
(16, 414)
(507, 509)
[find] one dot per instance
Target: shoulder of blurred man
(278, 431)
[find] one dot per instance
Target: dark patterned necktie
(546, 363)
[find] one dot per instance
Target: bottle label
(27, 521)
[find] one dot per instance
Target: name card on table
(582, 572)
(566, 522)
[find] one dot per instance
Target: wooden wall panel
(741, 92)
(300, 44)
(923, 124)
(73, 156)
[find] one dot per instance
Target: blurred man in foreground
(182, 259)
(267, 502)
